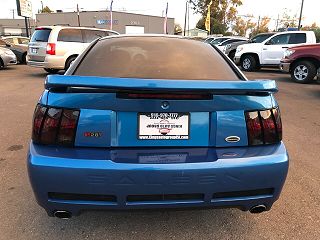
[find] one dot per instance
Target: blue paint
(160, 84)
(94, 121)
(231, 123)
(119, 173)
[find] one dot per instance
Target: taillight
(51, 48)
(264, 127)
(54, 126)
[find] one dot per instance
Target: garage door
(134, 30)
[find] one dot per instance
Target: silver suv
(54, 48)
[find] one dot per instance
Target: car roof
(68, 27)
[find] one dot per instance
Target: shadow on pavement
(152, 224)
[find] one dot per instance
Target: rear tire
(249, 63)
(303, 72)
(69, 62)
(24, 58)
(1, 64)
(51, 70)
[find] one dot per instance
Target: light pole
(301, 10)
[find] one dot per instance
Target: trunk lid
(116, 112)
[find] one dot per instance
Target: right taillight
(54, 126)
(51, 48)
(264, 127)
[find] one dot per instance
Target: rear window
(41, 35)
(155, 58)
(70, 35)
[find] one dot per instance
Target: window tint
(261, 38)
(155, 58)
(231, 41)
(218, 41)
(297, 38)
(23, 40)
(41, 35)
(91, 35)
(2, 43)
(70, 35)
(9, 40)
(280, 39)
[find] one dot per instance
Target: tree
(223, 13)
(263, 26)
(46, 9)
(241, 26)
(288, 20)
(177, 28)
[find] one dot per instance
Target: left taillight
(51, 48)
(54, 126)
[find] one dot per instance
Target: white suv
(54, 48)
(269, 52)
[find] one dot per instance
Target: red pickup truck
(302, 62)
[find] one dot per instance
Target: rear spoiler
(59, 82)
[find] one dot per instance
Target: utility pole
(27, 27)
(189, 19)
(301, 10)
(41, 6)
(277, 23)
(258, 24)
(78, 13)
(185, 19)
(12, 10)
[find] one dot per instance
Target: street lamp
(299, 26)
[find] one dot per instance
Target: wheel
(231, 55)
(303, 72)
(51, 70)
(69, 62)
(248, 63)
(1, 63)
(24, 58)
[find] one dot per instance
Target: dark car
(18, 45)
(302, 62)
(155, 122)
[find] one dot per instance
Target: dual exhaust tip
(67, 215)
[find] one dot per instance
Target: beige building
(15, 27)
(122, 22)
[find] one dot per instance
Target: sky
(270, 8)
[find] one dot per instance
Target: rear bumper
(54, 62)
(85, 179)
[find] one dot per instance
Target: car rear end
(42, 48)
(7, 57)
(184, 135)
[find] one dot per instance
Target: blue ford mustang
(155, 122)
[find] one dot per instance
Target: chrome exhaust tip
(62, 214)
(258, 209)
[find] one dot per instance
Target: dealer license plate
(163, 126)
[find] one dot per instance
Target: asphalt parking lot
(295, 215)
